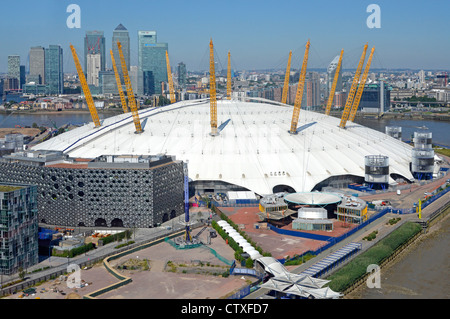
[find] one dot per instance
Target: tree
(163, 100)
(21, 273)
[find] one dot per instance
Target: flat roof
(9, 188)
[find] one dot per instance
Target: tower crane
(131, 99)
(361, 88)
(286, 80)
(169, 79)
(85, 87)
(212, 90)
(229, 77)
(299, 96)
(333, 86)
(351, 95)
(119, 84)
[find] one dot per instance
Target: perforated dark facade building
(122, 191)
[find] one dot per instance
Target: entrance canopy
(312, 198)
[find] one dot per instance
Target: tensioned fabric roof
(313, 198)
(253, 149)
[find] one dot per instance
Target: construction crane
(119, 84)
(169, 79)
(351, 95)
(299, 96)
(229, 77)
(131, 99)
(85, 87)
(361, 88)
(333, 86)
(286, 80)
(212, 90)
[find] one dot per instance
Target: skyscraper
(54, 76)
(152, 63)
(182, 75)
(94, 43)
(312, 89)
(93, 68)
(331, 70)
(37, 65)
(120, 34)
(14, 70)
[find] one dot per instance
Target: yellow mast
(119, 84)
(212, 90)
(299, 96)
(333, 86)
(361, 88)
(169, 78)
(286, 80)
(131, 99)
(85, 87)
(229, 77)
(351, 95)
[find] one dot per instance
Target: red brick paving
(279, 245)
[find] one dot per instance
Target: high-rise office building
(331, 71)
(120, 34)
(93, 68)
(94, 43)
(152, 63)
(54, 76)
(22, 76)
(37, 65)
(182, 75)
(14, 70)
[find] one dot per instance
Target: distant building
(376, 98)
(18, 228)
(14, 70)
(107, 82)
(339, 99)
(121, 34)
(93, 68)
(152, 63)
(54, 73)
(22, 76)
(94, 43)
(37, 65)
(331, 71)
(182, 75)
(312, 89)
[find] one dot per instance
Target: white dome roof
(254, 148)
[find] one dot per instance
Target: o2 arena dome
(253, 150)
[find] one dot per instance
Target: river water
(440, 129)
(423, 273)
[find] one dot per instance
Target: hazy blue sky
(259, 34)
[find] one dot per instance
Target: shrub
(357, 268)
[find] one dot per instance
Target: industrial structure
(377, 171)
(422, 165)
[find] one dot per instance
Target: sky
(259, 34)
